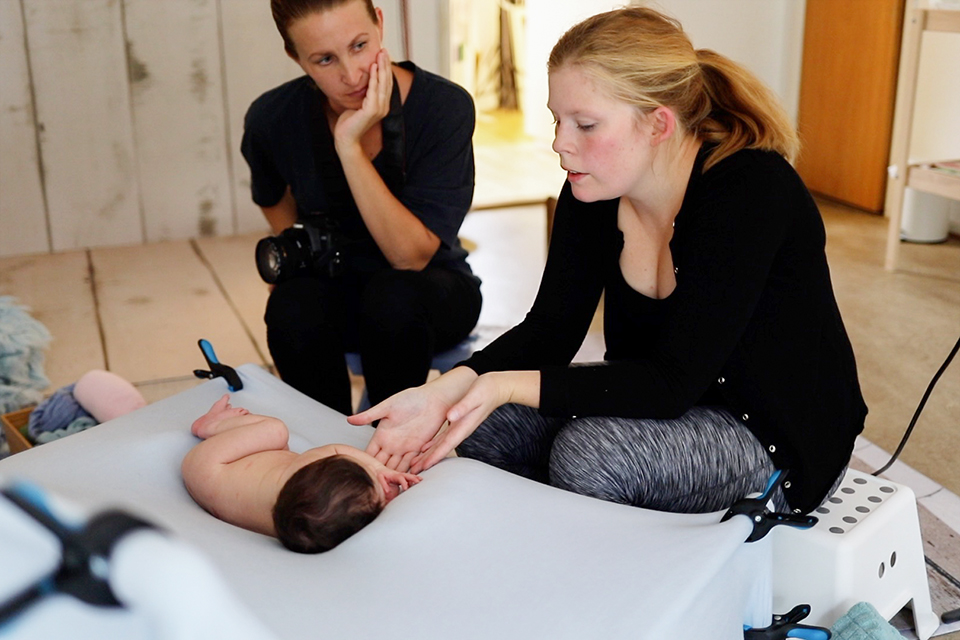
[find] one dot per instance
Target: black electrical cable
(923, 401)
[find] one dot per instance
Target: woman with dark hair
(380, 156)
(726, 354)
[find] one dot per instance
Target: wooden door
(847, 90)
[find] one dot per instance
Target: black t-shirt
(438, 118)
(752, 324)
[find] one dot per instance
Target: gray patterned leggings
(702, 462)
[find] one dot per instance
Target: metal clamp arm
(763, 518)
(217, 369)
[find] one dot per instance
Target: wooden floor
(139, 311)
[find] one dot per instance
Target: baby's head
(326, 502)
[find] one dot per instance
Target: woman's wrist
(517, 387)
(457, 381)
(348, 150)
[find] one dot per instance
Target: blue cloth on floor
(55, 413)
(22, 341)
(864, 622)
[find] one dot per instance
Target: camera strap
(392, 158)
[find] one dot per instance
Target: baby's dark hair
(324, 503)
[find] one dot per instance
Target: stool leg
(925, 621)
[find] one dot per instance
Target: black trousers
(395, 319)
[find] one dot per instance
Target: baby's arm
(218, 419)
(238, 437)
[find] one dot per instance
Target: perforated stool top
(858, 496)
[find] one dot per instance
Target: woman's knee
(295, 301)
(694, 464)
(390, 301)
(587, 459)
(515, 438)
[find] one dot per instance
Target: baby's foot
(220, 410)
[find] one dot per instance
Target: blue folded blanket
(57, 412)
(864, 622)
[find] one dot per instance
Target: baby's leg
(221, 410)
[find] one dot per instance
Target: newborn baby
(244, 473)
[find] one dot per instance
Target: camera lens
(269, 260)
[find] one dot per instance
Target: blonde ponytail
(744, 113)
(644, 58)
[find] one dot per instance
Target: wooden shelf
(919, 16)
(930, 180)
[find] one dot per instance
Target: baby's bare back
(248, 488)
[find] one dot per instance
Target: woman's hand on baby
(353, 123)
(411, 418)
(488, 392)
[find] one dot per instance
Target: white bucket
(926, 217)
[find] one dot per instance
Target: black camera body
(312, 246)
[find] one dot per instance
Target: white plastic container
(926, 217)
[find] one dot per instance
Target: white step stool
(865, 548)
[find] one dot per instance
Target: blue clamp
(787, 626)
(84, 567)
(764, 519)
(217, 370)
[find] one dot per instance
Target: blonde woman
(726, 354)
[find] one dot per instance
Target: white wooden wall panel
(426, 31)
(179, 119)
(83, 111)
(254, 61)
(23, 227)
(393, 28)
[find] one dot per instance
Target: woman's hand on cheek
(352, 124)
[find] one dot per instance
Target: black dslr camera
(311, 246)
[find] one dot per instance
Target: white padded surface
(471, 552)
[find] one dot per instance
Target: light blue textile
(78, 425)
(864, 622)
(22, 341)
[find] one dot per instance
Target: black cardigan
(752, 325)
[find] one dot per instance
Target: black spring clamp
(787, 626)
(217, 370)
(763, 518)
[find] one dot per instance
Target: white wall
(764, 35)
(121, 120)
(935, 134)
(936, 125)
